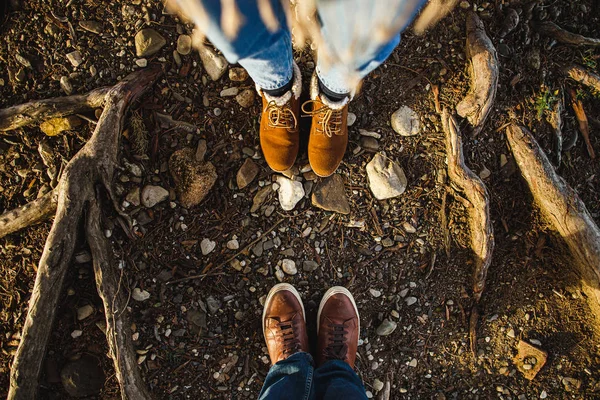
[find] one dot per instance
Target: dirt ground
(201, 338)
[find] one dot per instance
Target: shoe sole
(279, 288)
(328, 294)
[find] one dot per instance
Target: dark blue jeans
(296, 378)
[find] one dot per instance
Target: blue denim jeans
(295, 378)
(359, 35)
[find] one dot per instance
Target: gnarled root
(31, 213)
(562, 208)
(91, 168)
(557, 33)
(38, 111)
(485, 72)
(583, 76)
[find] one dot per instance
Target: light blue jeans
(358, 34)
(295, 378)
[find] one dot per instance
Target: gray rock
(214, 64)
(184, 45)
(152, 195)
(133, 197)
(386, 328)
(229, 92)
(148, 42)
(245, 98)
(247, 173)
(193, 177)
(197, 321)
(386, 178)
(92, 26)
(289, 266)
(260, 197)
(207, 246)
(351, 119)
(330, 195)
(74, 58)
(309, 266)
(290, 192)
(83, 377)
(369, 143)
(66, 85)
(406, 122)
(84, 312)
(140, 295)
(141, 62)
(410, 301)
(213, 304)
(238, 74)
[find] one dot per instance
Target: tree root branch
(557, 33)
(583, 76)
(90, 169)
(31, 213)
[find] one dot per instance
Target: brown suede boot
(338, 327)
(279, 133)
(328, 132)
(284, 323)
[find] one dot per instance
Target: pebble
(290, 192)
(184, 44)
(133, 197)
(377, 385)
(214, 64)
(465, 5)
(92, 26)
(410, 300)
(485, 173)
(213, 304)
(369, 143)
(375, 293)
(74, 58)
(152, 195)
(76, 333)
(330, 195)
(408, 228)
(413, 363)
(351, 119)
(386, 178)
(148, 42)
(571, 384)
(238, 74)
(369, 394)
(84, 312)
(260, 197)
(140, 295)
(141, 62)
(207, 246)
(230, 92)
(405, 121)
(247, 173)
(280, 275)
(543, 395)
(289, 266)
(66, 85)
(233, 244)
(309, 266)
(366, 133)
(386, 328)
(245, 98)
(511, 333)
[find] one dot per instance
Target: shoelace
(290, 341)
(336, 349)
(281, 116)
(329, 122)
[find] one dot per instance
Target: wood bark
(92, 167)
(38, 111)
(485, 72)
(583, 76)
(31, 213)
(562, 208)
(478, 203)
(557, 33)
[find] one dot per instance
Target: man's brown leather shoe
(328, 131)
(279, 131)
(284, 323)
(338, 327)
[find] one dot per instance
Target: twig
(584, 127)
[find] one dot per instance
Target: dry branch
(484, 71)
(557, 33)
(478, 204)
(31, 213)
(583, 76)
(562, 208)
(584, 126)
(92, 167)
(38, 111)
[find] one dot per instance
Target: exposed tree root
(562, 208)
(557, 33)
(91, 169)
(583, 76)
(40, 110)
(478, 203)
(31, 213)
(485, 72)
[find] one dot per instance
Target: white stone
(152, 195)
(141, 62)
(410, 301)
(76, 333)
(290, 192)
(84, 312)
(386, 178)
(233, 244)
(374, 292)
(230, 92)
(413, 363)
(364, 132)
(485, 173)
(408, 227)
(207, 246)
(74, 58)
(377, 385)
(279, 275)
(351, 119)
(289, 266)
(405, 121)
(140, 295)
(214, 64)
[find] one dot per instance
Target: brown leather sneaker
(284, 323)
(338, 327)
(328, 131)
(279, 132)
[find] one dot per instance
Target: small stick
(584, 127)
